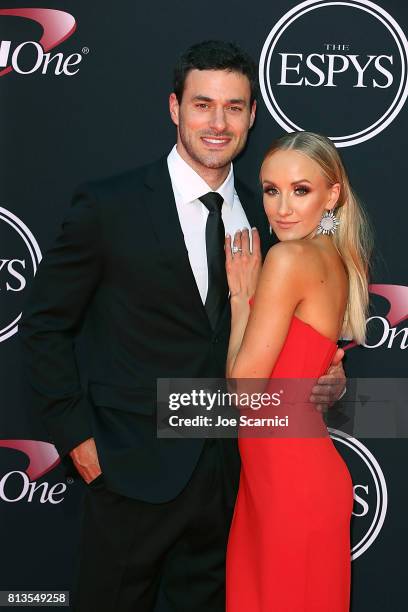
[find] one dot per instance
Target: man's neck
(214, 177)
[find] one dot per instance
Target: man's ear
(174, 108)
(253, 113)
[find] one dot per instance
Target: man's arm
(332, 386)
(62, 288)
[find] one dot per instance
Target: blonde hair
(353, 237)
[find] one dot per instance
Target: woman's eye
(270, 190)
(301, 190)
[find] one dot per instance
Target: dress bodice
(306, 352)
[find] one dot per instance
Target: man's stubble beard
(211, 160)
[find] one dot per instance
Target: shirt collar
(190, 186)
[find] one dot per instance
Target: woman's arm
(257, 337)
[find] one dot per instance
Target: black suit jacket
(120, 261)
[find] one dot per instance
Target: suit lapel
(161, 207)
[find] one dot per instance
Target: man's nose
(217, 120)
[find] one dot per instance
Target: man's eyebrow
(207, 99)
(202, 98)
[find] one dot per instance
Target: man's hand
(330, 386)
(85, 458)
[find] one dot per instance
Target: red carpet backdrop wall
(84, 94)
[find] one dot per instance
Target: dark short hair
(214, 55)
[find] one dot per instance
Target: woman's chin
(283, 236)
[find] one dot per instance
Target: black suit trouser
(130, 547)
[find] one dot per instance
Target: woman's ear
(334, 196)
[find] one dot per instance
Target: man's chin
(215, 160)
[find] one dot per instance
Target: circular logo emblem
(19, 259)
(370, 491)
(337, 81)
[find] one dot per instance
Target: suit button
(215, 340)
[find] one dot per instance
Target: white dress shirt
(188, 186)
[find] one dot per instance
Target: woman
(289, 544)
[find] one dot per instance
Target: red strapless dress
(289, 543)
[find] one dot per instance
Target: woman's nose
(284, 208)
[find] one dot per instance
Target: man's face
(213, 118)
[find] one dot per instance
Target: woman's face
(295, 194)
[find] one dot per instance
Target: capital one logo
(20, 256)
(386, 332)
(32, 56)
(369, 488)
(18, 485)
(317, 72)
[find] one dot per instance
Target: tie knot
(213, 201)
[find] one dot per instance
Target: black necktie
(214, 240)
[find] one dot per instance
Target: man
(133, 259)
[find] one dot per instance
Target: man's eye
(202, 105)
(235, 108)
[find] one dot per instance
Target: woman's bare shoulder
(300, 259)
(290, 253)
(284, 264)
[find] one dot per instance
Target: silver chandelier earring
(328, 223)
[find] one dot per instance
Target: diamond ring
(236, 249)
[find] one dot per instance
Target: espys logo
(385, 332)
(19, 485)
(31, 56)
(19, 259)
(370, 491)
(352, 86)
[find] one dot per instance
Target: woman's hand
(243, 266)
